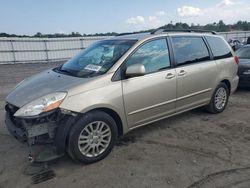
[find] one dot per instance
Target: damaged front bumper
(45, 135)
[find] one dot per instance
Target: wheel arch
(228, 84)
(114, 115)
(63, 133)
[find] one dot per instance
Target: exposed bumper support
(18, 133)
(46, 140)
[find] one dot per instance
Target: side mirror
(135, 70)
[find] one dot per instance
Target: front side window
(219, 48)
(190, 50)
(153, 55)
(97, 59)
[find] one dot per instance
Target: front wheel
(92, 137)
(219, 99)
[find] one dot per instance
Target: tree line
(218, 27)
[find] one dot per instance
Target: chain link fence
(27, 50)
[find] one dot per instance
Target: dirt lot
(194, 149)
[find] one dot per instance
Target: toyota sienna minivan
(117, 85)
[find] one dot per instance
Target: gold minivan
(117, 85)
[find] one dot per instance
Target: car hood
(42, 84)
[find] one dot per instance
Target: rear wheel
(219, 99)
(92, 137)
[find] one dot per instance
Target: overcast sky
(95, 16)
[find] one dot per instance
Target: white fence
(24, 50)
(240, 35)
(21, 50)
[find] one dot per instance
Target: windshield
(244, 53)
(97, 59)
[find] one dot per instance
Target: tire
(216, 108)
(85, 142)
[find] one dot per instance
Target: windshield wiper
(66, 71)
(59, 69)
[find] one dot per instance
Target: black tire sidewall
(221, 85)
(80, 125)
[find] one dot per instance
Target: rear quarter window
(219, 47)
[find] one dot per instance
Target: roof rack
(157, 31)
(122, 34)
(132, 33)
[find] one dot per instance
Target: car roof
(142, 36)
(137, 36)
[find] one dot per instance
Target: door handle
(182, 73)
(170, 76)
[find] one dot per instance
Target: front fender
(109, 97)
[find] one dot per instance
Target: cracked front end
(44, 133)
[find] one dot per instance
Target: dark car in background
(244, 66)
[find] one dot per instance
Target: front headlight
(41, 105)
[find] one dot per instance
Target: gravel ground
(194, 149)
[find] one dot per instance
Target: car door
(152, 96)
(196, 71)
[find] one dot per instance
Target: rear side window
(190, 50)
(219, 48)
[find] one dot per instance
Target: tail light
(236, 59)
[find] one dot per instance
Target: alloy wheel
(94, 139)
